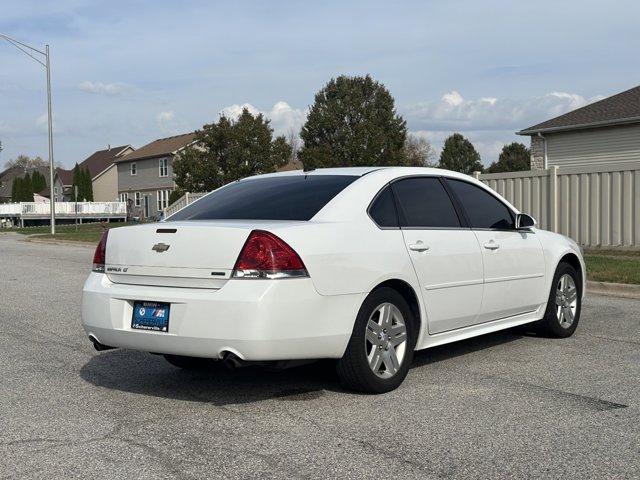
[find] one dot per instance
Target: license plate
(152, 316)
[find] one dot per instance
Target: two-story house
(104, 172)
(145, 176)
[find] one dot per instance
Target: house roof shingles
(100, 160)
(160, 147)
(66, 176)
(7, 176)
(621, 108)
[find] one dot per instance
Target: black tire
(353, 368)
(551, 325)
(189, 363)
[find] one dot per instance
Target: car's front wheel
(563, 308)
(380, 351)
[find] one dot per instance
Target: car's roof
(361, 171)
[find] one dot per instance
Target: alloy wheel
(566, 300)
(386, 340)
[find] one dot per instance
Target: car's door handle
(419, 247)
(492, 245)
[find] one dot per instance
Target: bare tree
(294, 142)
(24, 161)
(419, 152)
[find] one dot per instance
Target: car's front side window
(483, 209)
(423, 202)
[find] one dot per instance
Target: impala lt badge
(160, 247)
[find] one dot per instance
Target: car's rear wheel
(563, 308)
(380, 351)
(189, 363)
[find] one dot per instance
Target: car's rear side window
(383, 209)
(287, 197)
(424, 202)
(483, 209)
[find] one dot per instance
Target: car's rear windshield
(290, 197)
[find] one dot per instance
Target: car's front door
(513, 259)
(444, 252)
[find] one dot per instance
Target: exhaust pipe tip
(232, 361)
(99, 346)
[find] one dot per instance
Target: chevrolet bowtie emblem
(160, 247)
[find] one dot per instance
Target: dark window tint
(423, 202)
(484, 210)
(289, 197)
(383, 209)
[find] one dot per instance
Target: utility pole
(31, 52)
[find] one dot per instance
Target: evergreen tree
(88, 185)
(514, 157)
(38, 181)
(230, 150)
(353, 122)
(175, 195)
(76, 182)
(16, 187)
(27, 189)
(460, 155)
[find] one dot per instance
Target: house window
(137, 198)
(55, 190)
(163, 199)
(164, 167)
(124, 197)
(134, 168)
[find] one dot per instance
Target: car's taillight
(264, 255)
(101, 253)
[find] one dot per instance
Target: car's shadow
(147, 374)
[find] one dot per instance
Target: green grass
(87, 232)
(613, 266)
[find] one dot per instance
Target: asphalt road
(506, 405)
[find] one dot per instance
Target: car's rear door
(444, 252)
(513, 259)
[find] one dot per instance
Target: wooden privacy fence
(597, 206)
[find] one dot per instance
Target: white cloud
(234, 111)
(454, 112)
(489, 122)
(169, 124)
(100, 88)
(42, 123)
(282, 115)
(453, 98)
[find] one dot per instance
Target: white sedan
(362, 265)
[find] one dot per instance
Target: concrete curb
(53, 241)
(614, 289)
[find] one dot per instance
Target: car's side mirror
(524, 221)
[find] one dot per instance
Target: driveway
(506, 405)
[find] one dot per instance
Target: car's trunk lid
(197, 254)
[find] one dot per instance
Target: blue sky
(130, 72)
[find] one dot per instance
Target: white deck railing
(182, 202)
(98, 209)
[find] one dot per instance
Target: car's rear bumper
(254, 319)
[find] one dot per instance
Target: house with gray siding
(604, 132)
(145, 176)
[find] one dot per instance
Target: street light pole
(50, 122)
(47, 65)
